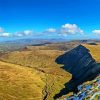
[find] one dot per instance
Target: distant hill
(21, 43)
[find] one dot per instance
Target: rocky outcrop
(89, 90)
(81, 65)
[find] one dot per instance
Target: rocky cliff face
(87, 91)
(81, 65)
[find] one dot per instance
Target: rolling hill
(31, 73)
(42, 62)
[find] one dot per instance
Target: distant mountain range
(20, 43)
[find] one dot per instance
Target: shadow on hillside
(81, 65)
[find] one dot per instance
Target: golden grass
(43, 68)
(20, 83)
(94, 50)
(36, 58)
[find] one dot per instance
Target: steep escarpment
(81, 65)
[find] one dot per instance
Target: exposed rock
(89, 90)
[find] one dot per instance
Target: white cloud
(70, 29)
(64, 30)
(24, 33)
(17, 34)
(97, 32)
(4, 34)
(28, 32)
(50, 30)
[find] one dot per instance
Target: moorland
(31, 73)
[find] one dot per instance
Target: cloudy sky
(68, 19)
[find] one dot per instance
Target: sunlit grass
(20, 83)
(44, 71)
(94, 50)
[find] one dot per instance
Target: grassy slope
(35, 58)
(20, 83)
(42, 61)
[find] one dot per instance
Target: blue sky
(70, 19)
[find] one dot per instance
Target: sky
(68, 19)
